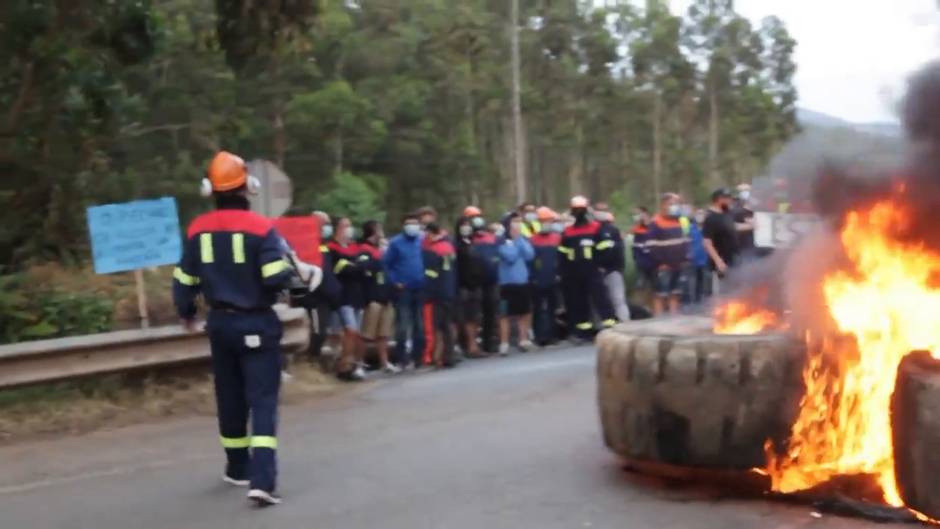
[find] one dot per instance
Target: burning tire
(915, 414)
(671, 392)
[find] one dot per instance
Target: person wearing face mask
(530, 219)
(476, 248)
(698, 278)
(405, 272)
(378, 318)
(611, 257)
(440, 292)
(329, 295)
(720, 237)
(543, 273)
(581, 277)
(345, 253)
(515, 252)
(669, 251)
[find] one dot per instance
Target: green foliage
(352, 196)
(31, 313)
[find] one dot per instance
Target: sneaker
(391, 369)
(503, 349)
(358, 374)
(263, 498)
(524, 346)
(235, 482)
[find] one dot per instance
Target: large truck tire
(915, 421)
(670, 392)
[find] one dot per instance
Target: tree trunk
(338, 153)
(713, 118)
(657, 145)
(519, 144)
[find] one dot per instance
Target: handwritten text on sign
(134, 235)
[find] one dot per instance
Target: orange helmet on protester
(227, 172)
(472, 211)
(545, 213)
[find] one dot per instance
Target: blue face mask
(411, 230)
(326, 231)
(478, 222)
(675, 210)
(558, 227)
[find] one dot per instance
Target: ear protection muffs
(253, 184)
(205, 188)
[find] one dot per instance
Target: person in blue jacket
(404, 267)
(515, 252)
(544, 277)
(699, 259)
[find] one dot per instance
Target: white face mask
(326, 231)
(466, 230)
(350, 232)
(558, 227)
(478, 222)
(675, 210)
(499, 231)
(412, 230)
(531, 217)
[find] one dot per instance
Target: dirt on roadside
(121, 400)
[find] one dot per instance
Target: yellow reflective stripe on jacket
(238, 247)
(235, 442)
(274, 268)
(610, 323)
(205, 248)
(324, 248)
(584, 326)
(184, 278)
(380, 278)
(567, 251)
(589, 252)
(264, 441)
(340, 265)
(684, 222)
(603, 245)
(431, 273)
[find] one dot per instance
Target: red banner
(303, 235)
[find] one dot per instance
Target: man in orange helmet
(239, 263)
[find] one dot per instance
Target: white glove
(310, 274)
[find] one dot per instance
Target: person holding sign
(238, 262)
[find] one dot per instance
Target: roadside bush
(31, 312)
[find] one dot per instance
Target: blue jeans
(408, 311)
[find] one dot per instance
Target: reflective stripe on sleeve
(235, 442)
(585, 326)
(264, 441)
(274, 268)
(569, 252)
(603, 245)
(184, 278)
(205, 248)
(340, 265)
(238, 247)
(610, 323)
(431, 273)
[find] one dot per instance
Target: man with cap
(581, 276)
(720, 237)
(239, 263)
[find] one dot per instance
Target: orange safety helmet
(472, 211)
(227, 172)
(546, 213)
(579, 201)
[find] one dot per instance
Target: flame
(886, 306)
(739, 317)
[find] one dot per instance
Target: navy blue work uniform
(581, 280)
(544, 276)
(236, 260)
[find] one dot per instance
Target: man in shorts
(669, 252)
(515, 252)
(378, 320)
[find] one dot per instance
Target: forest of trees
(388, 104)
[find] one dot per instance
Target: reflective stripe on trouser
(584, 290)
(246, 362)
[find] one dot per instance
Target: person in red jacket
(440, 293)
(344, 252)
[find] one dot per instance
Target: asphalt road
(501, 443)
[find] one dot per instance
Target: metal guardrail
(67, 358)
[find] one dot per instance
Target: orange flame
(738, 317)
(886, 306)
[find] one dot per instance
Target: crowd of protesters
(531, 279)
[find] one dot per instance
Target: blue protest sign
(134, 235)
